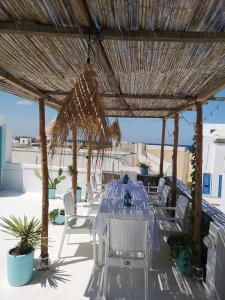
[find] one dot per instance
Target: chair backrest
(107, 177)
(89, 192)
(68, 202)
(164, 196)
(161, 184)
(181, 207)
(93, 182)
(127, 235)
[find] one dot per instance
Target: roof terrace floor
(76, 277)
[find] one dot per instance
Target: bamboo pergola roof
(153, 58)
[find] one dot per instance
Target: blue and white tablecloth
(112, 206)
(116, 190)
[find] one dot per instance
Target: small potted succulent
(20, 259)
(57, 216)
(52, 182)
(182, 251)
(144, 169)
(79, 189)
(125, 179)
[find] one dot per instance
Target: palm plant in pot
(52, 182)
(79, 189)
(20, 259)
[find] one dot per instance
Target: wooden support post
(162, 148)
(45, 204)
(74, 165)
(174, 171)
(89, 147)
(198, 194)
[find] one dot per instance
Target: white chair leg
(68, 239)
(61, 244)
(100, 251)
(146, 283)
(105, 281)
(94, 246)
(150, 259)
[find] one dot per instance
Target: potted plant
(20, 259)
(52, 182)
(57, 216)
(79, 189)
(144, 169)
(182, 251)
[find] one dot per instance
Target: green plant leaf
(37, 173)
(60, 171)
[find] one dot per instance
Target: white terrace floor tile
(76, 277)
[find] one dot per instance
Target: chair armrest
(167, 219)
(168, 208)
(70, 218)
(101, 184)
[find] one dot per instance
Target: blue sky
(22, 119)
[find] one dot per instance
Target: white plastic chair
(126, 246)
(160, 199)
(96, 187)
(93, 198)
(81, 223)
(157, 190)
(169, 225)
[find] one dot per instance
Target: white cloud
(24, 102)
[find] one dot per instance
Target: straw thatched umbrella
(81, 113)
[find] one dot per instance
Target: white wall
(213, 156)
(208, 126)
(8, 145)
(21, 178)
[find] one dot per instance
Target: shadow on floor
(52, 277)
(8, 194)
(165, 282)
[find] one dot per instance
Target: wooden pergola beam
(114, 115)
(149, 97)
(143, 109)
(162, 147)
(198, 193)
(131, 96)
(204, 96)
(32, 29)
(44, 179)
(74, 166)
(212, 90)
(89, 156)
(216, 99)
(174, 161)
(25, 87)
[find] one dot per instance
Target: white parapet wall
(21, 178)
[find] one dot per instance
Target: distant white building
(213, 161)
(22, 141)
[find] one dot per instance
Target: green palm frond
(27, 232)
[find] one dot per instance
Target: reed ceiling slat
(164, 68)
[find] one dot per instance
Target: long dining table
(112, 205)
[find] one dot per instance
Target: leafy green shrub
(52, 214)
